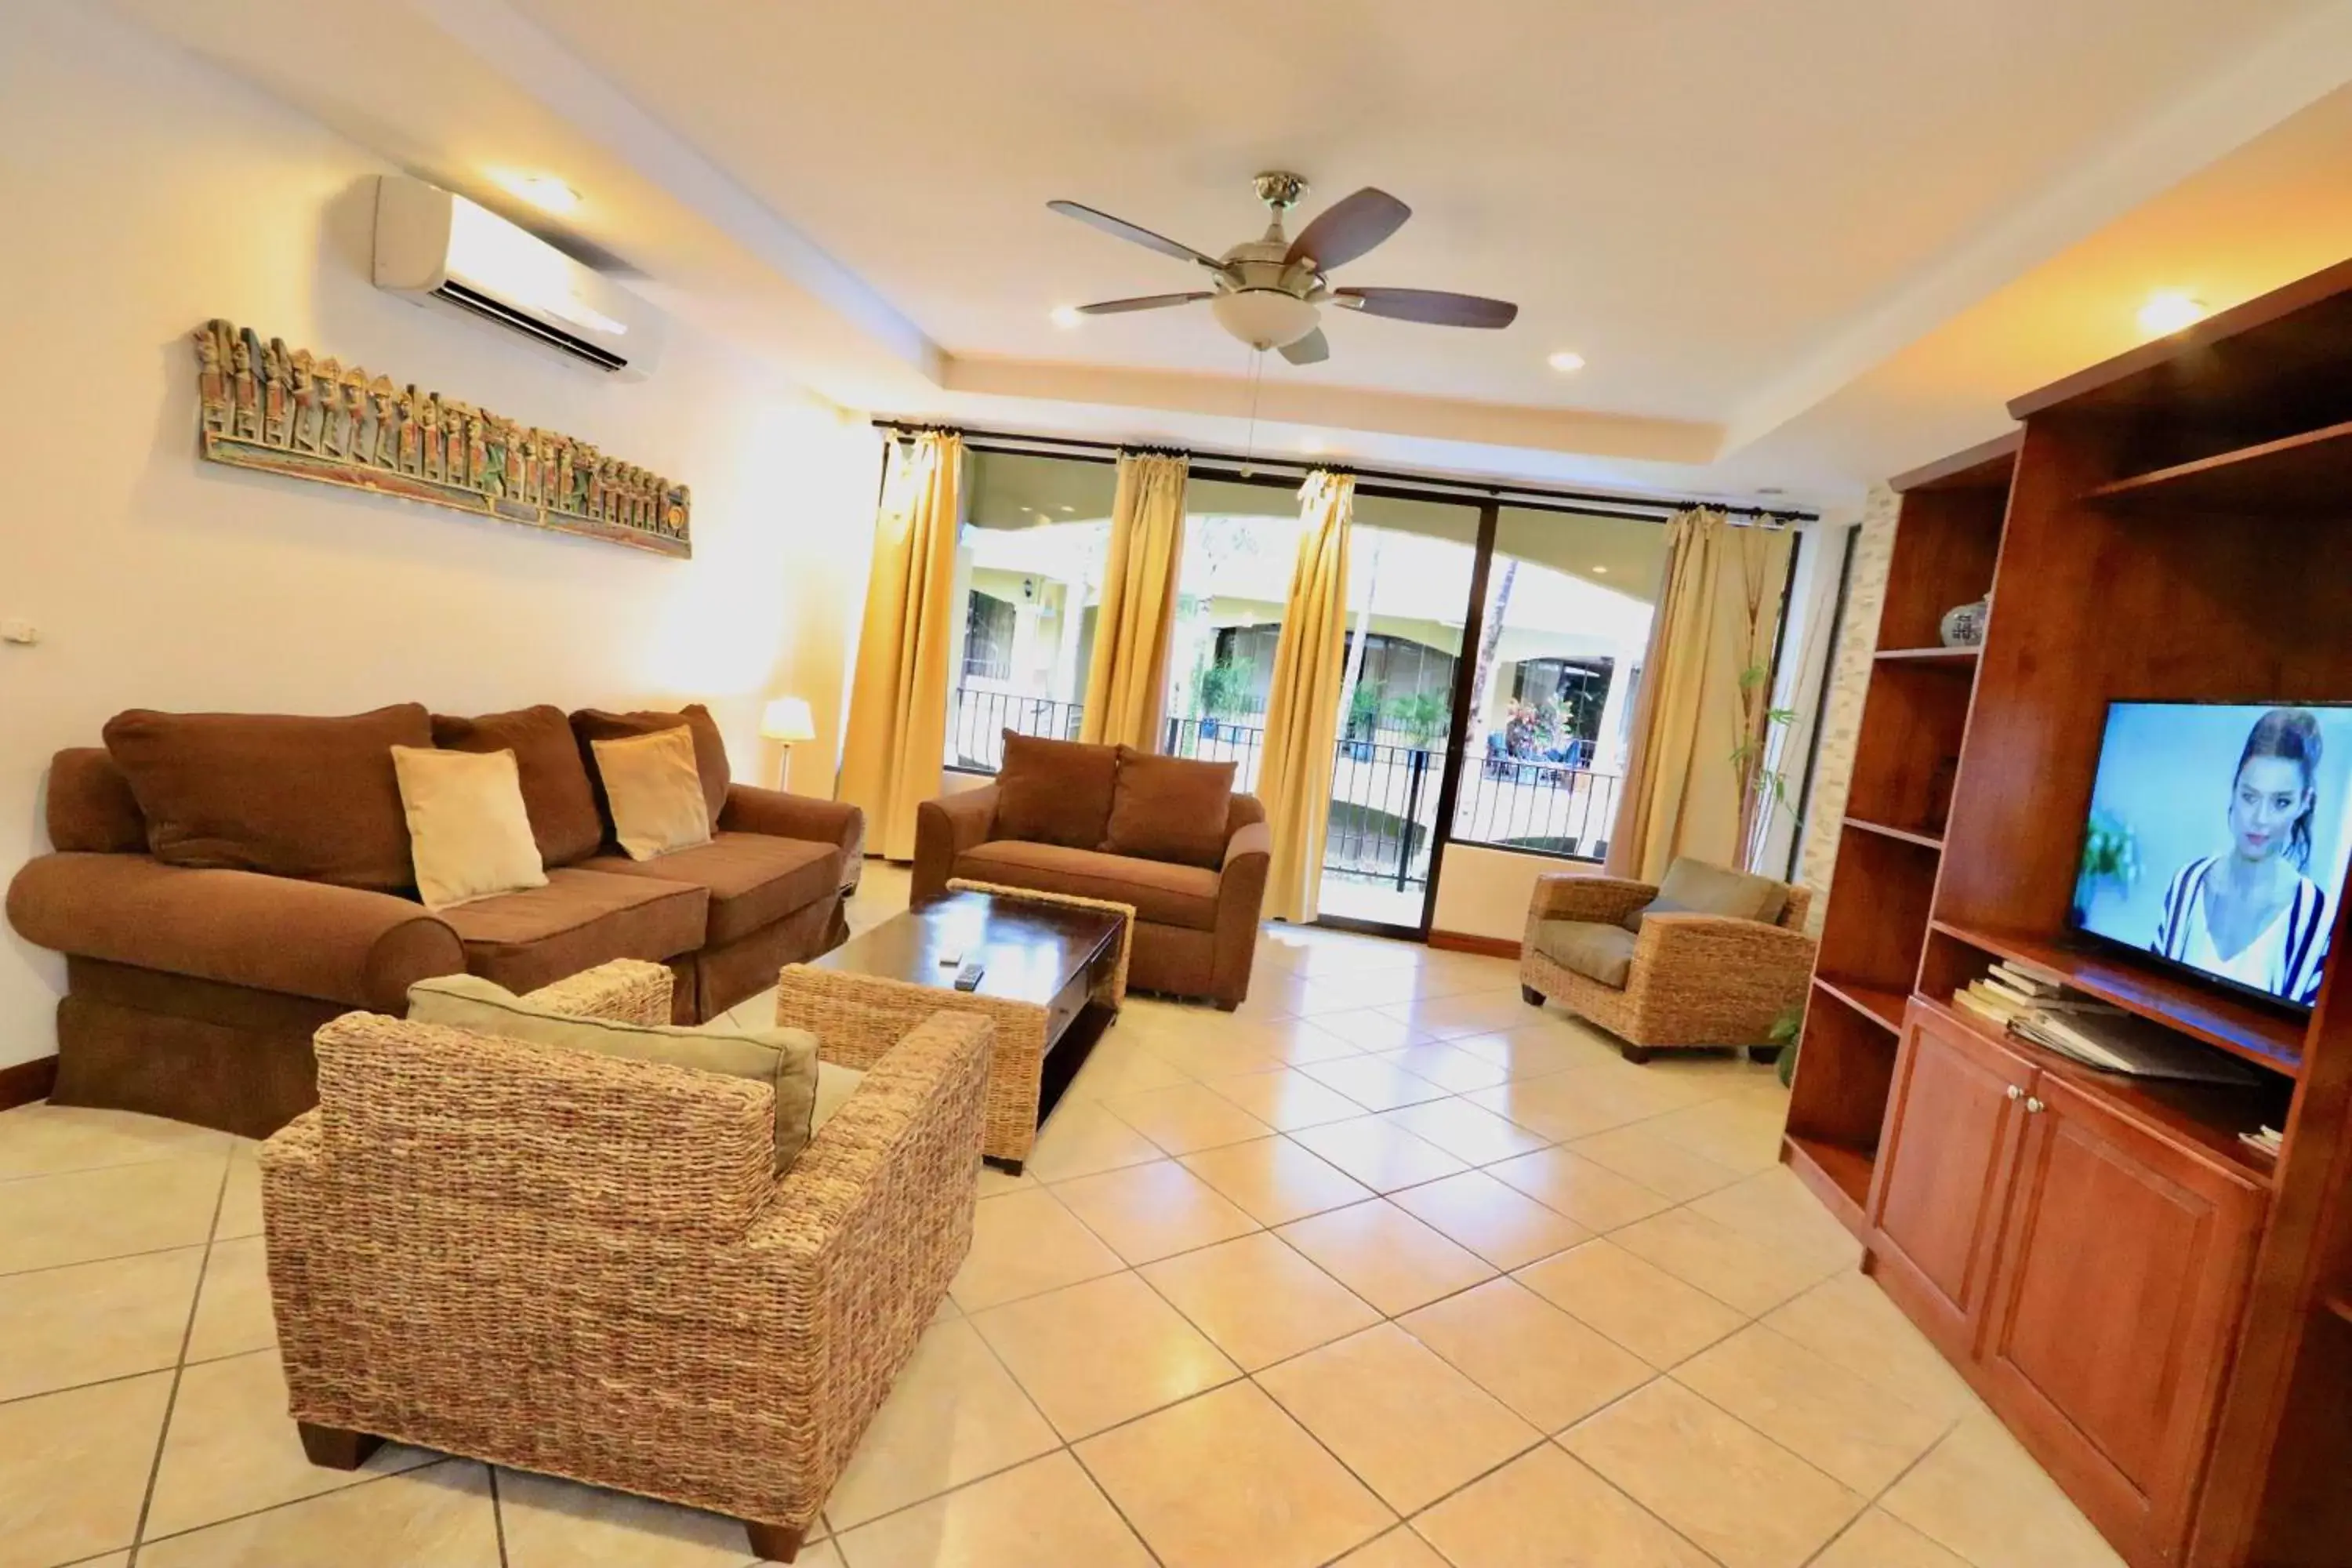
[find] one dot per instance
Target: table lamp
(787, 719)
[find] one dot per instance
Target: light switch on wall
(19, 631)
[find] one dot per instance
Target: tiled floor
(1387, 1269)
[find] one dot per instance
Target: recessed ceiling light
(2167, 311)
(544, 192)
(1602, 571)
(1567, 361)
(1067, 316)
(1066, 509)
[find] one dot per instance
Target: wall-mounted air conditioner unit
(431, 246)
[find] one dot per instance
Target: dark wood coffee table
(1049, 986)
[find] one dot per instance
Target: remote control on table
(968, 977)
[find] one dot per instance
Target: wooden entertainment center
(2161, 1313)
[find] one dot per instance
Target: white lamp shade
(788, 719)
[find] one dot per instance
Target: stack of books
(2035, 1004)
(2268, 1140)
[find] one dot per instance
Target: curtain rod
(1640, 507)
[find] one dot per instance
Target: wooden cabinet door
(2124, 1268)
(1943, 1171)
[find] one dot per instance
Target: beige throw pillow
(784, 1059)
(469, 832)
(655, 793)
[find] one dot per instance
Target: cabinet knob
(2015, 1092)
(2034, 1106)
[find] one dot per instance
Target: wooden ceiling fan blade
(1312, 349)
(1142, 302)
(1349, 227)
(1135, 233)
(1437, 306)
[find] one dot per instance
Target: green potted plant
(1420, 716)
(1222, 691)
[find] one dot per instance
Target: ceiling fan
(1269, 291)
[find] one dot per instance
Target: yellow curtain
(1302, 718)
(1126, 678)
(899, 699)
(1719, 609)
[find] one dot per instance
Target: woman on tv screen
(2252, 915)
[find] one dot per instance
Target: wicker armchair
(587, 1266)
(1694, 981)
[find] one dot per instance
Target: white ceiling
(1743, 217)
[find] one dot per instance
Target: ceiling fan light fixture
(1064, 315)
(1264, 318)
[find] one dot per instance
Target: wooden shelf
(2341, 1305)
(1836, 1174)
(2301, 476)
(2244, 1029)
(1902, 835)
(1960, 657)
(1879, 1003)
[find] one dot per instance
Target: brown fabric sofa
(192, 988)
(1195, 925)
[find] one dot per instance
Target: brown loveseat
(222, 885)
(1106, 822)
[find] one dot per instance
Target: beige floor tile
(233, 1314)
(1774, 1208)
(1879, 1539)
(1527, 1352)
(241, 1204)
(1547, 1511)
(1848, 1319)
(1373, 1082)
(1208, 1052)
(1296, 1041)
(1469, 1012)
(1124, 1063)
(1535, 1052)
(552, 1523)
(1258, 1299)
(1274, 1180)
(1386, 1256)
(1500, 1224)
(954, 1416)
(1399, 1548)
(1081, 1138)
(1464, 1131)
(1663, 1167)
(1369, 1029)
(1359, 988)
(1562, 1105)
(110, 1212)
(1593, 1196)
(76, 1469)
(1812, 1406)
(1752, 1277)
(1735, 1493)
(441, 1515)
(1410, 1426)
(1153, 1210)
(1738, 1134)
(1976, 1493)
(89, 1321)
(1102, 1352)
(995, 1184)
(232, 1448)
(1045, 1514)
(1383, 1157)
(1450, 1069)
(1022, 1243)
(45, 1140)
(1228, 1479)
(1286, 1098)
(1637, 1304)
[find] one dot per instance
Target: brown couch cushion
(1160, 891)
(580, 919)
(279, 793)
(754, 879)
(710, 750)
(1695, 887)
(555, 789)
(1170, 808)
(1590, 948)
(92, 808)
(1054, 792)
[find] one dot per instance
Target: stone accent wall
(1849, 682)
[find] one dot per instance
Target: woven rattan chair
(1695, 980)
(587, 1266)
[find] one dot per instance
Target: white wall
(147, 193)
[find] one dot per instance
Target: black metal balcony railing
(1384, 793)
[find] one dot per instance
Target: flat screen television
(2218, 839)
